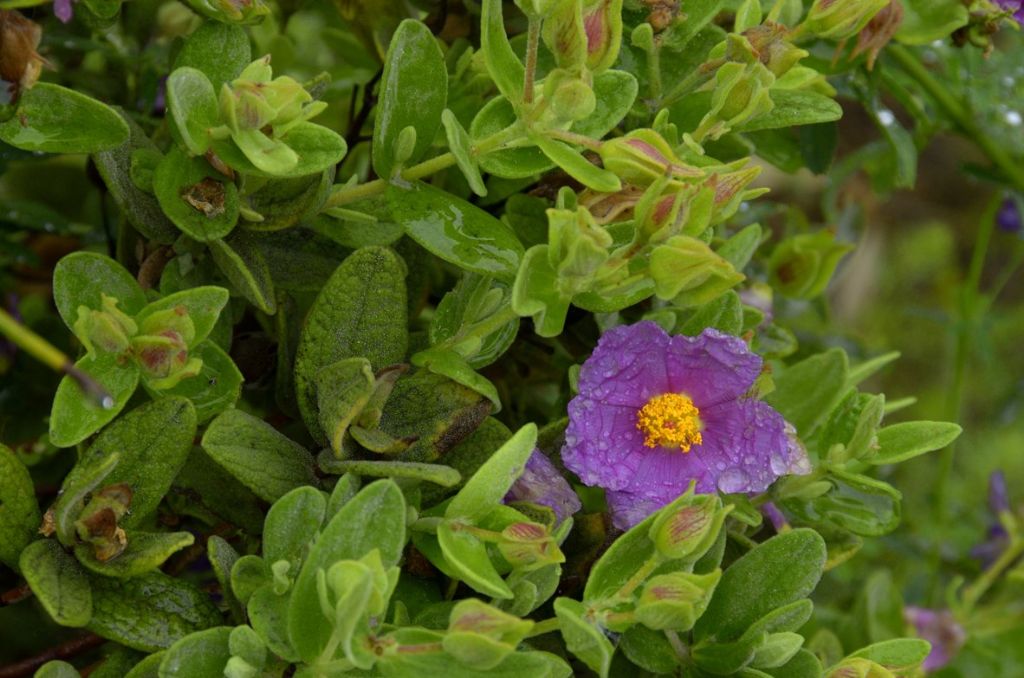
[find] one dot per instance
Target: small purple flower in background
(998, 538)
(1015, 6)
(940, 629)
(1009, 217)
(655, 412)
(541, 483)
(63, 10)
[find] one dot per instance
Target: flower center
(670, 420)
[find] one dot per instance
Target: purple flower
(1015, 6)
(655, 412)
(63, 10)
(940, 629)
(778, 520)
(1009, 217)
(541, 483)
(997, 538)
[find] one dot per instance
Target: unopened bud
(108, 330)
(569, 96)
(482, 636)
(675, 601)
(841, 19)
(528, 546)
(602, 24)
(687, 527)
(642, 157)
(684, 265)
(578, 248)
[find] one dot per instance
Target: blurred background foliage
(917, 220)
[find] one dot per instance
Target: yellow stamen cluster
(670, 420)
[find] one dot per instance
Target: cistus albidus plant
(463, 338)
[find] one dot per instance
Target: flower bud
(482, 636)
(569, 96)
(841, 19)
(564, 34)
(642, 157)
(687, 527)
(676, 601)
(769, 44)
(740, 93)
(878, 32)
(602, 23)
(858, 667)
(528, 546)
(802, 266)
(105, 331)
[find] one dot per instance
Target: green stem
(959, 113)
(966, 322)
(638, 577)
(532, 47)
(545, 626)
(974, 592)
(52, 357)
(346, 195)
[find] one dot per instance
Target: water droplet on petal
(732, 480)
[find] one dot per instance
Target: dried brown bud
(20, 63)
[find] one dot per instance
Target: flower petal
(711, 368)
(541, 483)
(746, 446)
(628, 366)
(602, 442)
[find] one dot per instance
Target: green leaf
(195, 197)
(450, 364)
(803, 665)
(907, 440)
(792, 562)
(468, 559)
(492, 481)
(857, 503)
(54, 119)
(360, 313)
(504, 66)
(438, 474)
(150, 612)
(724, 314)
(343, 390)
(615, 92)
(793, 108)
(140, 208)
(898, 654)
(535, 293)
(241, 261)
(192, 104)
(373, 519)
(81, 278)
(58, 582)
(264, 460)
(583, 638)
(216, 387)
(57, 669)
(925, 21)
(577, 166)
(268, 614)
(204, 489)
(148, 667)
(222, 557)
(461, 146)
(153, 442)
(219, 50)
(144, 552)
(806, 392)
(620, 562)
(198, 655)
(456, 231)
(75, 415)
(319, 149)
(19, 510)
(292, 525)
(283, 203)
(413, 91)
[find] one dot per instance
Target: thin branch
(67, 650)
